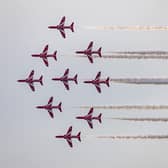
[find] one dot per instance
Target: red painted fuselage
(30, 81)
(89, 117)
(68, 137)
(89, 52)
(49, 107)
(61, 27)
(97, 81)
(65, 79)
(44, 55)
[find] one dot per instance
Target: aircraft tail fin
(59, 106)
(72, 27)
(55, 55)
(99, 117)
(78, 136)
(41, 80)
(108, 82)
(75, 79)
(99, 52)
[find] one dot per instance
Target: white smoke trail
(131, 107)
(129, 57)
(141, 119)
(138, 52)
(137, 55)
(156, 137)
(129, 28)
(134, 57)
(155, 81)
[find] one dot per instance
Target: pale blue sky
(27, 134)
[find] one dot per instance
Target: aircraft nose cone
(79, 52)
(38, 107)
(78, 117)
(21, 80)
(59, 136)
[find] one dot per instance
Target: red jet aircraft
(61, 27)
(44, 55)
(89, 117)
(65, 79)
(88, 52)
(97, 81)
(30, 81)
(68, 137)
(49, 107)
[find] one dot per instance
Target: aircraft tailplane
(108, 82)
(99, 52)
(75, 79)
(41, 80)
(59, 106)
(78, 136)
(99, 117)
(55, 55)
(72, 27)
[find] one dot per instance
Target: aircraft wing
(66, 73)
(45, 60)
(50, 100)
(90, 123)
(90, 46)
(98, 76)
(98, 88)
(32, 86)
(62, 22)
(69, 130)
(62, 33)
(51, 113)
(31, 74)
(66, 85)
(90, 58)
(45, 50)
(70, 142)
(90, 111)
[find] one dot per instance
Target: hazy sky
(27, 134)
